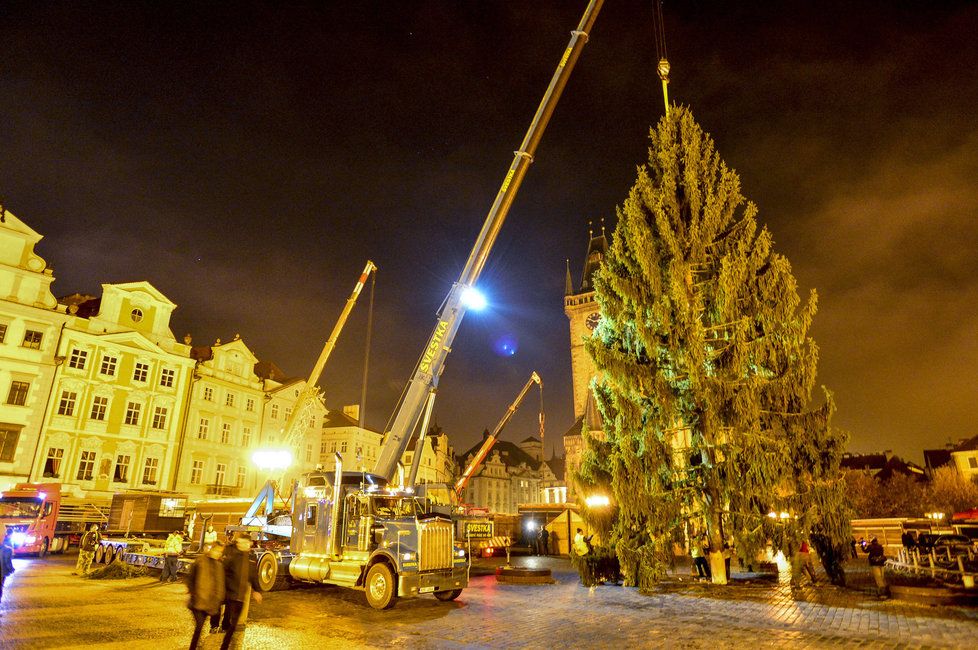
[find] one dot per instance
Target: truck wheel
(109, 554)
(44, 548)
(381, 589)
(268, 574)
(99, 554)
(448, 595)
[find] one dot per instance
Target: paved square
(45, 607)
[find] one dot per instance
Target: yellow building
(30, 323)
(437, 464)
(512, 475)
(118, 397)
(223, 423)
(281, 394)
(342, 434)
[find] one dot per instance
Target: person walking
(205, 582)
(544, 541)
(877, 559)
(171, 552)
(696, 551)
(86, 550)
(6, 557)
(240, 578)
(805, 560)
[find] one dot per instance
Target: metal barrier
(913, 560)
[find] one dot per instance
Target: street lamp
(271, 460)
(597, 501)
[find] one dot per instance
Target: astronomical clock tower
(582, 312)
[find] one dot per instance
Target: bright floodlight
(473, 299)
(272, 459)
(597, 501)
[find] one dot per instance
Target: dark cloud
(248, 158)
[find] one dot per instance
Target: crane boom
(429, 368)
(491, 439)
(293, 429)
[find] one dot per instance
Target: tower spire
(568, 284)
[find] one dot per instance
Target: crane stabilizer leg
(491, 439)
(429, 368)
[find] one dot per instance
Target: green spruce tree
(706, 372)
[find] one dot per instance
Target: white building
(30, 324)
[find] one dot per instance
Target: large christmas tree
(706, 373)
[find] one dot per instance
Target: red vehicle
(42, 521)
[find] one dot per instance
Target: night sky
(248, 158)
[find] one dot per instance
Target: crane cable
(659, 31)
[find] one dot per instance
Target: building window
(132, 413)
(246, 437)
(141, 372)
(159, 417)
(343, 447)
(229, 399)
(3, 331)
(136, 315)
(333, 448)
(274, 411)
(221, 471)
(32, 339)
(250, 405)
(86, 466)
(196, 472)
(8, 443)
(288, 412)
(121, 468)
(973, 462)
(99, 406)
(66, 406)
(323, 447)
(202, 427)
(242, 475)
(225, 433)
(167, 376)
(52, 466)
(108, 366)
(149, 471)
(309, 453)
(18, 393)
(78, 359)
(208, 393)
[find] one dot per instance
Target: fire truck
(42, 520)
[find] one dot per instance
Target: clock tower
(582, 312)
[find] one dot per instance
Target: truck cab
(350, 529)
(30, 512)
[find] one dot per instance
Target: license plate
(426, 590)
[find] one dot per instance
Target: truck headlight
(408, 556)
(18, 538)
(30, 539)
(460, 552)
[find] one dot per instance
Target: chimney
(352, 411)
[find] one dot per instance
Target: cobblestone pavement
(45, 607)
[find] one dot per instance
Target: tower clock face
(592, 320)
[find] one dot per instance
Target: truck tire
(99, 554)
(45, 545)
(380, 587)
(269, 577)
(446, 596)
(109, 554)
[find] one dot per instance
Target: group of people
(222, 577)
(546, 543)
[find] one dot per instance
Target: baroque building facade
(117, 399)
(30, 324)
(510, 476)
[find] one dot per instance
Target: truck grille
(436, 545)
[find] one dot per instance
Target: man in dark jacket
(205, 581)
(6, 555)
(240, 578)
(877, 559)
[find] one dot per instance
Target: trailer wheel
(99, 554)
(109, 554)
(381, 588)
(268, 574)
(446, 596)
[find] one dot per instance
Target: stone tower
(583, 316)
